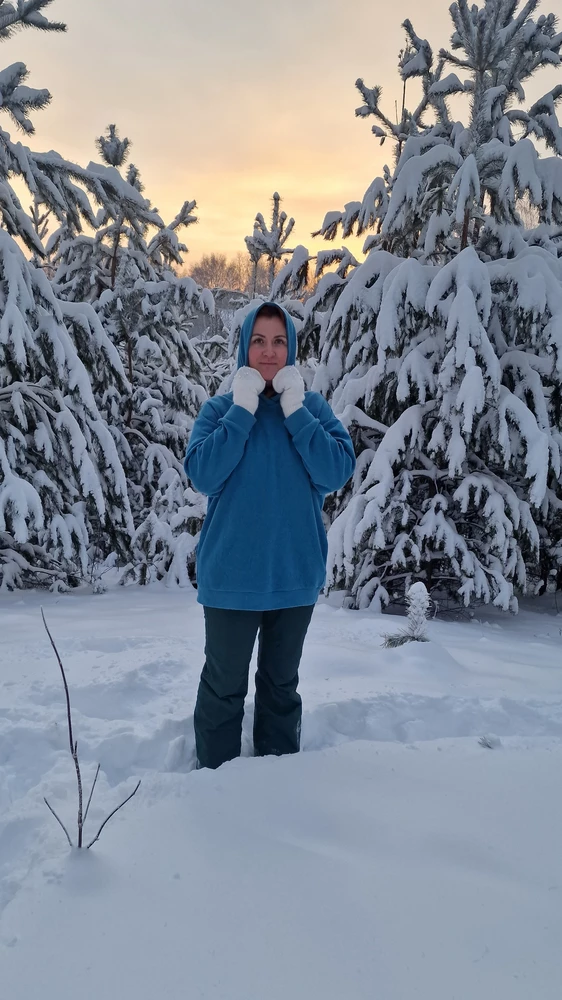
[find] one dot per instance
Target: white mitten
(246, 387)
(289, 383)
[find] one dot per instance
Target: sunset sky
(226, 101)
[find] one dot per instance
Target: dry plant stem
(82, 816)
(73, 745)
(124, 802)
(59, 820)
(91, 793)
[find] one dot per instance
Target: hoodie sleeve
(216, 446)
(324, 446)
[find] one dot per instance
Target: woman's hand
(246, 387)
(290, 384)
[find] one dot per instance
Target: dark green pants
(219, 710)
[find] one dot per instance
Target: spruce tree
(442, 352)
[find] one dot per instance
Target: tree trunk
(464, 237)
(130, 365)
(114, 257)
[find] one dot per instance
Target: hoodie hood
(246, 333)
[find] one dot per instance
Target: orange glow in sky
(228, 102)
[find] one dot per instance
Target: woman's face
(267, 352)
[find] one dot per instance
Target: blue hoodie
(263, 543)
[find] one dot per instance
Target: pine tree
(126, 271)
(269, 241)
(418, 603)
(63, 496)
(442, 352)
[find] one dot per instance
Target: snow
(465, 187)
(520, 174)
(20, 499)
(411, 850)
(409, 182)
(373, 206)
(293, 274)
(125, 191)
(448, 85)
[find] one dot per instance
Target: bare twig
(66, 691)
(73, 745)
(124, 802)
(59, 820)
(82, 815)
(91, 793)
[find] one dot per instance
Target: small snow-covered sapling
(418, 601)
(82, 814)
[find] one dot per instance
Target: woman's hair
(269, 310)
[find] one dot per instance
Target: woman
(266, 454)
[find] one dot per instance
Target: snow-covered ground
(396, 858)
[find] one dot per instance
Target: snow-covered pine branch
(26, 13)
(58, 186)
